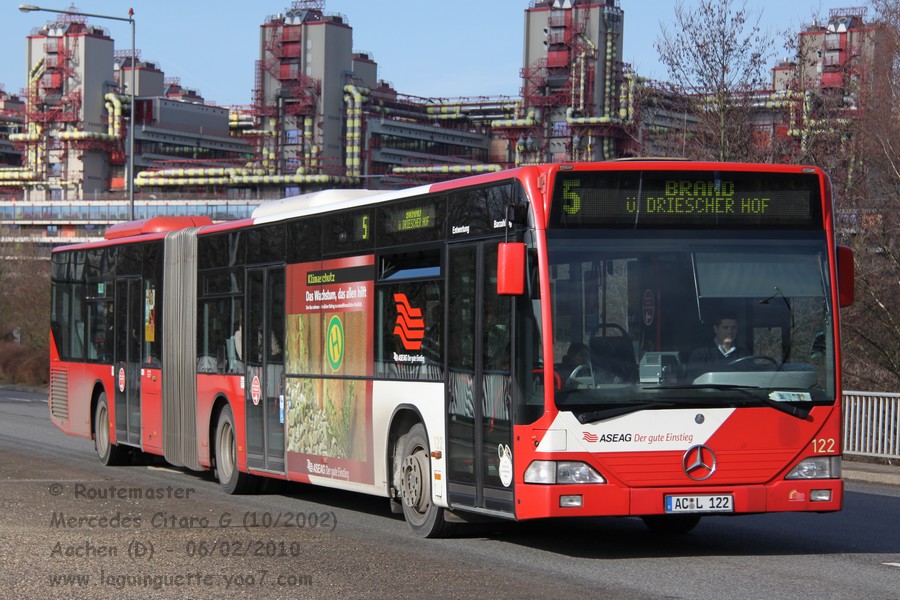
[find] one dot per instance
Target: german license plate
(700, 503)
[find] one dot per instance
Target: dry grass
(22, 365)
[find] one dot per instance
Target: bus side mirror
(846, 277)
(511, 269)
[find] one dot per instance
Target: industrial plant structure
(320, 117)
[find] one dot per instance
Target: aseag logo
(410, 325)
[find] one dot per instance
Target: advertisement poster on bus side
(329, 332)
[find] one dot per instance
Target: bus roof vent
(307, 201)
(154, 225)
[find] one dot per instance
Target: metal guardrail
(872, 424)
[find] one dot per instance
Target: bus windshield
(662, 319)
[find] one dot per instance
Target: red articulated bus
(638, 338)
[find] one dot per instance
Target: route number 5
(571, 199)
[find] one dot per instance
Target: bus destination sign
(408, 218)
(673, 198)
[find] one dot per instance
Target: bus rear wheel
(230, 477)
(109, 454)
(423, 517)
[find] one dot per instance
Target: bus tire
(422, 516)
(110, 454)
(671, 524)
(232, 480)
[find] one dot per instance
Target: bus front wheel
(230, 477)
(425, 519)
(109, 454)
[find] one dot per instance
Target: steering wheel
(751, 358)
(575, 372)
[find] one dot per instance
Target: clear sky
(429, 48)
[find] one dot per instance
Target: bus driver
(722, 350)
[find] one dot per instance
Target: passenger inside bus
(613, 356)
(576, 356)
(608, 359)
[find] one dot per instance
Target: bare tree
(717, 54)
(852, 130)
(870, 195)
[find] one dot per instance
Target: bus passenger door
(127, 359)
(478, 392)
(263, 341)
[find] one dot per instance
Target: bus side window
(77, 332)
(410, 311)
(213, 335)
(411, 325)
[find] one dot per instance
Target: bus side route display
(406, 218)
(686, 198)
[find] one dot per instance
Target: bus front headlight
(563, 472)
(818, 467)
(577, 472)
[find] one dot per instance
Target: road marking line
(892, 565)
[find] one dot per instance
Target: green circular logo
(334, 343)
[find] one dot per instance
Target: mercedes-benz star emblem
(699, 462)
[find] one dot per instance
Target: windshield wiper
(608, 413)
(747, 391)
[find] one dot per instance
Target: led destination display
(673, 198)
(410, 218)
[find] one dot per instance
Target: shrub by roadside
(22, 365)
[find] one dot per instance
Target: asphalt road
(70, 528)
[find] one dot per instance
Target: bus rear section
(692, 323)
(106, 344)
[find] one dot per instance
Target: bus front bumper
(536, 501)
